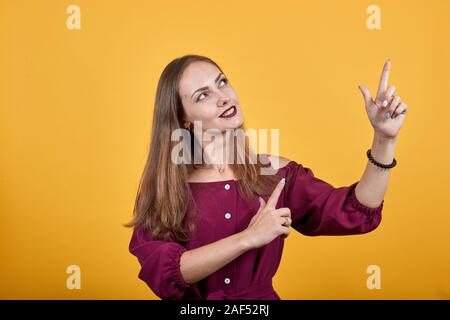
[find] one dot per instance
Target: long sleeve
(160, 266)
(318, 208)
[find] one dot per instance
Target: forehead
(197, 75)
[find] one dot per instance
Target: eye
(225, 80)
(198, 98)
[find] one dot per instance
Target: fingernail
(282, 181)
(387, 115)
(260, 200)
(385, 103)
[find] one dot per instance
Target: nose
(223, 101)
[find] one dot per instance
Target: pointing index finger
(272, 202)
(383, 85)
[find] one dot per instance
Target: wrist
(383, 149)
(244, 240)
(381, 140)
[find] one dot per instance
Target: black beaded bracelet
(384, 166)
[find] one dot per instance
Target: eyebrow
(203, 88)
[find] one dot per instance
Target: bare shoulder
(277, 162)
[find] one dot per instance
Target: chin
(236, 124)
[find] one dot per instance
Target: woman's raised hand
(387, 111)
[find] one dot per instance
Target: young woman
(216, 231)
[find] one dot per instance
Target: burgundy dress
(317, 208)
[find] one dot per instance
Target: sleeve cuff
(174, 268)
(359, 206)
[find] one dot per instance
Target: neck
(214, 153)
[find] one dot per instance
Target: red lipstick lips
(230, 112)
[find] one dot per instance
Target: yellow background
(76, 111)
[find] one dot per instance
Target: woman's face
(206, 95)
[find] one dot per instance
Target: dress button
(227, 186)
(227, 280)
(227, 215)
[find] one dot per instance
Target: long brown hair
(163, 196)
